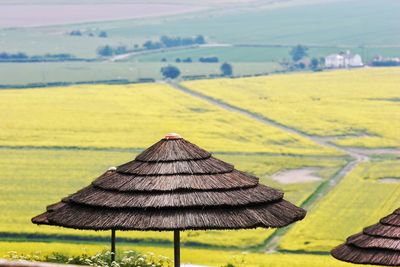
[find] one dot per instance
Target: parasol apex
(172, 136)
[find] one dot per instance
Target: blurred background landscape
(121, 41)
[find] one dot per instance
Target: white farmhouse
(343, 60)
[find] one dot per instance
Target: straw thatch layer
(76, 216)
(366, 241)
(377, 244)
(173, 185)
(354, 254)
(172, 150)
(41, 219)
(112, 180)
(97, 197)
(201, 166)
(383, 230)
(55, 206)
(392, 219)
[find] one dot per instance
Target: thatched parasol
(173, 185)
(377, 244)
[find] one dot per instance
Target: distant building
(343, 60)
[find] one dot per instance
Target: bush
(167, 41)
(298, 52)
(314, 64)
(178, 41)
(387, 63)
(103, 259)
(103, 34)
(16, 56)
(75, 33)
(199, 39)
(209, 59)
(13, 255)
(152, 45)
(171, 72)
(301, 65)
(226, 69)
(187, 60)
(105, 51)
(120, 50)
(22, 57)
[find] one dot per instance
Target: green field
(75, 72)
(238, 54)
(309, 23)
(261, 35)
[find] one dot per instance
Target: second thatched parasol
(377, 244)
(173, 185)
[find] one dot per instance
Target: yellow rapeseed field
(361, 107)
(54, 141)
(133, 116)
(45, 130)
(33, 178)
(359, 200)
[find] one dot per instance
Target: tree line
(300, 52)
(172, 72)
(164, 42)
(79, 33)
(23, 57)
(168, 42)
(211, 59)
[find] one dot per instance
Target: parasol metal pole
(112, 245)
(177, 249)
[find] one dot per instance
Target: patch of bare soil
(390, 180)
(302, 175)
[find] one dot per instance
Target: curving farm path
(356, 156)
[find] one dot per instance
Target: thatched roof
(377, 244)
(173, 185)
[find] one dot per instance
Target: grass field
(360, 107)
(310, 23)
(75, 72)
(276, 25)
(238, 54)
